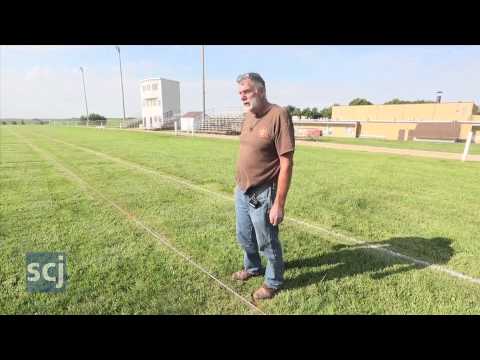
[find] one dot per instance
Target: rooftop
(150, 79)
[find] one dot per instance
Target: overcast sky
(45, 81)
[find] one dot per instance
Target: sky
(45, 81)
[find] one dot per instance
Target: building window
(150, 121)
(148, 87)
(154, 86)
(145, 121)
(159, 103)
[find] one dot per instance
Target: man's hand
(277, 211)
(276, 214)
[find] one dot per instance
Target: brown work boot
(264, 293)
(243, 275)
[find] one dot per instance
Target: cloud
(297, 75)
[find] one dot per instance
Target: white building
(191, 120)
(160, 103)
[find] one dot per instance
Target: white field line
(86, 187)
(350, 239)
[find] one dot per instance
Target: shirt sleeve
(284, 136)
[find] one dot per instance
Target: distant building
(191, 120)
(160, 103)
(430, 121)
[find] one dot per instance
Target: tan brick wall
(405, 112)
(388, 131)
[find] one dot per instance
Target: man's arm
(278, 207)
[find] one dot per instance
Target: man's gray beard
(255, 103)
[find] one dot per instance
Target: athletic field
(147, 223)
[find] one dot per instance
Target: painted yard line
(86, 187)
(351, 239)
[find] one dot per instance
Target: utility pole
(84, 92)
(121, 82)
(203, 81)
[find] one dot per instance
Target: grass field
(415, 145)
(58, 185)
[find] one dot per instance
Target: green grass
(414, 145)
(425, 208)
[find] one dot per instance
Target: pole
(84, 92)
(203, 81)
(121, 82)
(467, 145)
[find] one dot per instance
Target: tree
(326, 112)
(297, 112)
(93, 119)
(307, 112)
(359, 101)
(476, 111)
(397, 101)
(290, 109)
(315, 113)
(394, 101)
(96, 117)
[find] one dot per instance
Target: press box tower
(160, 103)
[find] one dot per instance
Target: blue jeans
(257, 236)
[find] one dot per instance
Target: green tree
(96, 117)
(394, 101)
(307, 112)
(297, 112)
(326, 112)
(315, 113)
(93, 119)
(359, 101)
(290, 109)
(397, 101)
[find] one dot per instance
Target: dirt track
(376, 149)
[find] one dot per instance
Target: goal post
(473, 130)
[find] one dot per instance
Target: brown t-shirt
(262, 140)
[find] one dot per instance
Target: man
(264, 171)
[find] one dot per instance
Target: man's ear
(262, 92)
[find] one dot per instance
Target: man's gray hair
(256, 79)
